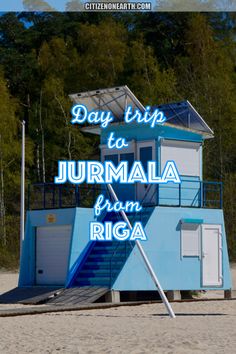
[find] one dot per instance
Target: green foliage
(230, 211)
(162, 57)
(103, 48)
(9, 176)
(9, 253)
(9, 143)
(208, 80)
(145, 78)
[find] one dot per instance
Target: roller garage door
(52, 254)
(186, 154)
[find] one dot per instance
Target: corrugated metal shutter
(52, 253)
(185, 154)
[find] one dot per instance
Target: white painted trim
(140, 144)
(203, 121)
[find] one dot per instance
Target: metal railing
(58, 196)
(190, 193)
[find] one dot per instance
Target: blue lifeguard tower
(184, 223)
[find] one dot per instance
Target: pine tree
(207, 79)
(151, 84)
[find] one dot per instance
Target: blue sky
(16, 5)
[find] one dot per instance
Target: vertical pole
(94, 194)
(53, 196)
(76, 196)
(200, 194)
(146, 261)
(28, 201)
(180, 195)
(44, 196)
(60, 195)
(203, 195)
(22, 204)
(221, 195)
(157, 188)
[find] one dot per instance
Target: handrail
(133, 218)
(146, 260)
(118, 245)
(147, 206)
(190, 193)
(81, 185)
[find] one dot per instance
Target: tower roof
(181, 115)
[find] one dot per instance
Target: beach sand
(200, 327)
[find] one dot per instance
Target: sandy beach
(200, 327)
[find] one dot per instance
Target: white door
(52, 253)
(211, 255)
(146, 152)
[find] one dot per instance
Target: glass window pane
(128, 157)
(145, 156)
(112, 157)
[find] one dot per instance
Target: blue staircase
(105, 260)
(103, 264)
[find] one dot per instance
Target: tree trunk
(37, 162)
(67, 126)
(3, 234)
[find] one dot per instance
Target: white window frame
(143, 144)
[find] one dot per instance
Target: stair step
(97, 267)
(107, 256)
(88, 283)
(97, 279)
(93, 281)
(104, 251)
(93, 275)
(107, 243)
(110, 246)
(101, 265)
(88, 272)
(104, 247)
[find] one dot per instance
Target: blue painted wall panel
(168, 194)
(79, 218)
(163, 248)
(164, 251)
(144, 132)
